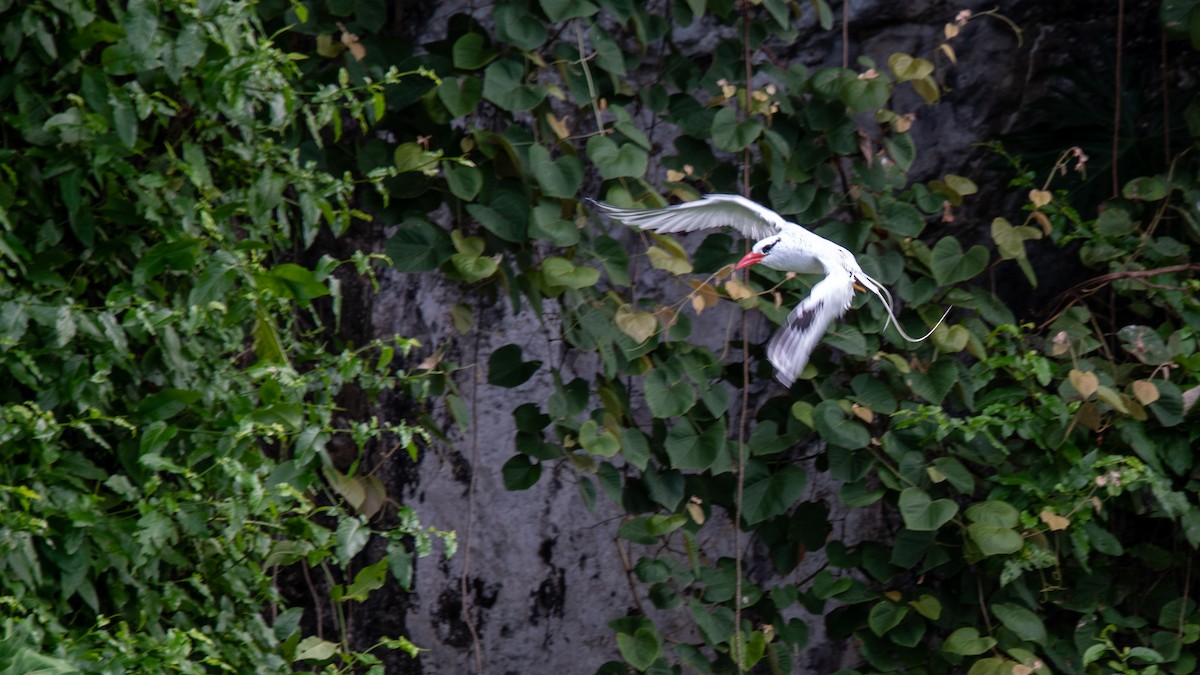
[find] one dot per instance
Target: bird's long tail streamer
(885, 296)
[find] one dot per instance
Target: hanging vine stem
(739, 659)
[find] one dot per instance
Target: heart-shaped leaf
(1023, 622)
(504, 84)
(950, 339)
(731, 135)
(520, 473)
(993, 512)
(471, 52)
(950, 265)
(507, 369)
(933, 384)
(886, 615)
(967, 642)
(994, 539)
(837, 428)
(464, 181)
(613, 161)
(517, 26)
(460, 95)
(561, 10)
(598, 441)
(557, 271)
(1010, 241)
(548, 224)
(1054, 521)
(690, 448)
(774, 495)
(1084, 383)
(1145, 392)
(637, 325)
(640, 649)
(418, 246)
(506, 215)
(558, 177)
(412, 157)
(922, 513)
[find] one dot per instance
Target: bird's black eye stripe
(768, 247)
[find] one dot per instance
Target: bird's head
(761, 250)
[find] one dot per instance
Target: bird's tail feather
(885, 296)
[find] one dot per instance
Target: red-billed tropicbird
(784, 246)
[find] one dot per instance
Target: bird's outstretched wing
(791, 346)
(710, 211)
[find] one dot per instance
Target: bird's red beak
(749, 259)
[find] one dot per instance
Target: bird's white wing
(790, 348)
(710, 211)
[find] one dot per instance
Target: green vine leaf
(838, 428)
(613, 161)
(640, 649)
(516, 26)
(691, 448)
(460, 95)
(966, 641)
(951, 265)
(773, 495)
(561, 10)
(923, 514)
(507, 369)
(558, 177)
(730, 135)
(504, 84)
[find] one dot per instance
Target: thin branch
(1092, 286)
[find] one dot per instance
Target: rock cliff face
(538, 575)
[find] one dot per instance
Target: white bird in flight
(784, 246)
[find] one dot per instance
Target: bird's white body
(784, 246)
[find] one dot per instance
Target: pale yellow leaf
(352, 43)
(738, 290)
(1042, 220)
(1085, 383)
(1054, 521)
(637, 325)
(348, 488)
(949, 52)
(863, 413)
(696, 513)
(375, 495)
(558, 126)
(674, 176)
(669, 261)
(1040, 198)
(951, 31)
(1145, 391)
(704, 296)
(430, 362)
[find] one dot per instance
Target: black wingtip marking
(804, 319)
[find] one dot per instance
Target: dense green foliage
(1038, 480)
(167, 384)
